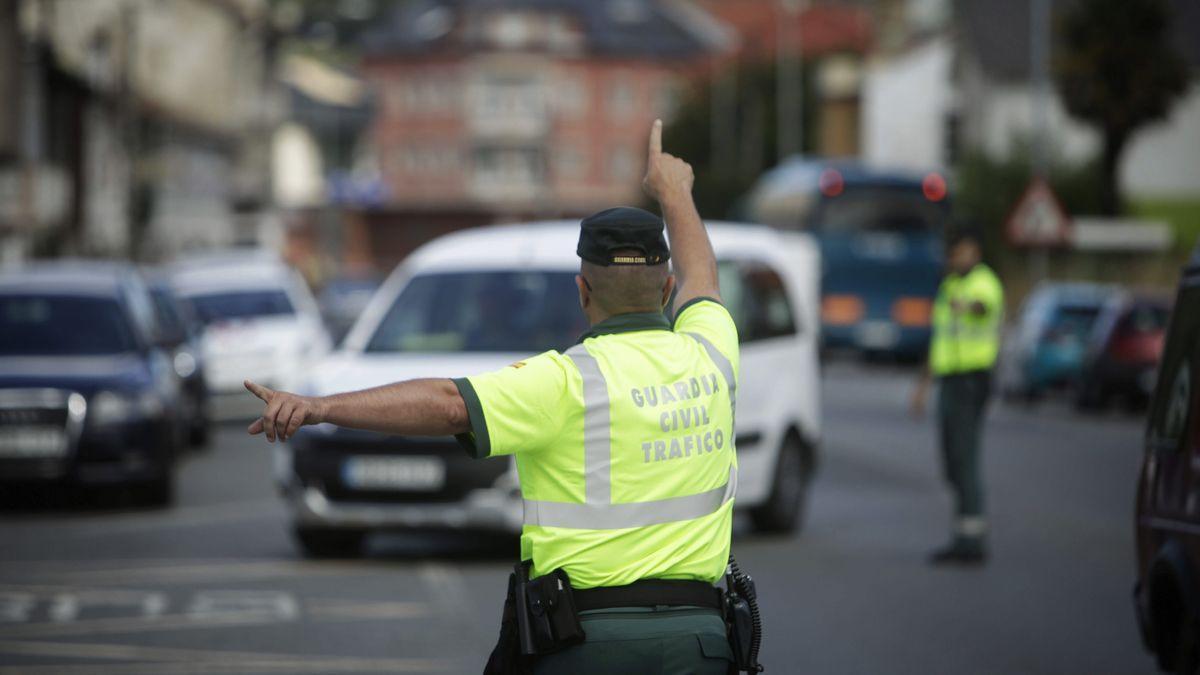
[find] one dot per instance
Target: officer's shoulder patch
(518, 364)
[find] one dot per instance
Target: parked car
(1166, 593)
(181, 332)
(260, 322)
(1123, 351)
(342, 300)
(88, 394)
(1046, 348)
(478, 300)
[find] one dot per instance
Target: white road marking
(16, 606)
(276, 605)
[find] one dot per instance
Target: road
(213, 584)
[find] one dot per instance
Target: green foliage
(1116, 70)
(1183, 215)
(746, 135)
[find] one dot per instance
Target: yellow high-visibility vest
(624, 447)
(964, 341)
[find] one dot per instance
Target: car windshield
(878, 209)
(40, 325)
(483, 312)
(1073, 321)
(1146, 319)
(215, 307)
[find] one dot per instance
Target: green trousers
(646, 641)
(962, 400)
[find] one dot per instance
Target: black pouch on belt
(547, 620)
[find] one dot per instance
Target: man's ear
(585, 296)
(668, 289)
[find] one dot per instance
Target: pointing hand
(284, 414)
(666, 175)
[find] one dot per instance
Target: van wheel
(783, 512)
(328, 543)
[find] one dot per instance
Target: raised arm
(414, 407)
(669, 181)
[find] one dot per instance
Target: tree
(1116, 70)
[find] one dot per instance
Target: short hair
(964, 233)
(620, 289)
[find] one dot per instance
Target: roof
(550, 245)
(998, 33)
(74, 277)
(229, 270)
(646, 28)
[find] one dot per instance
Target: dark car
(180, 333)
(1123, 352)
(87, 394)
(1167, 592)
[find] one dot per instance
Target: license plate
(32, 442)
(877, 334)
(417, 474)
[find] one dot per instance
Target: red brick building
(490, 111)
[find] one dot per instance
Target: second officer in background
(967, 319)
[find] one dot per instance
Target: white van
(481, 299)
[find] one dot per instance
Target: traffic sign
(1038, 219)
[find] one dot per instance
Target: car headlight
(111, 407)
(184, 363)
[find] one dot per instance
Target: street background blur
(262, 166)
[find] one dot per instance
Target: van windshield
(879, 209)
(511, 311)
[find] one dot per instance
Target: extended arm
(414, 407)
(669, 180)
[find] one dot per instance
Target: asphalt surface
(214, 584)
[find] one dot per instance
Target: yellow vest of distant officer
(966, 341)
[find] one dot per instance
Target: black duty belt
(649, 593)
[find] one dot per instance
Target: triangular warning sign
(1038, 219)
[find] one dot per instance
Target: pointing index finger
(656, 138)
(259, 391)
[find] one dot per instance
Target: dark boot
(961, 551)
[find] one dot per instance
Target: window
(241, 305)
(757, 300)
(621, 97)
(34, 325)
(1173, 410)
(621, 164)
(569, 162)
(526, 312)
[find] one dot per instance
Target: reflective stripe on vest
(598, 512)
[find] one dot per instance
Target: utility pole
(789, 82)
(1039, 69)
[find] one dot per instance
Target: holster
(547, 620)
(539, 617)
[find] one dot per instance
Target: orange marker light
(842, 310)
(934, 187)
(912, 312)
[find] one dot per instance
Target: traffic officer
(967, 319)
(623, 443)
